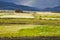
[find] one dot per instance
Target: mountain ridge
(52, 9)
(12, 6)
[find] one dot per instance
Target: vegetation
(42, 30)
(45, 28)
(9, 27)
(39, 16)
(28, 21)
(18, 11)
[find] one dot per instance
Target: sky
(36, 3)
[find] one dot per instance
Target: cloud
(28, 2)
(36, 3)
(25, 2)
(21, 2)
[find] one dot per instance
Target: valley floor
(20, 27)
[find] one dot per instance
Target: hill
(12, 6)
(57, 9)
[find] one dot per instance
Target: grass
(12, 29)
(28, 21)
(45, 30)
(9, 27)
(15, 27)
(42, 30)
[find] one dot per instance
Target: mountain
(12, 6)
(52, 9)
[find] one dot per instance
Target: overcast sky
(36, 3)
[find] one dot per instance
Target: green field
(29, 30)
(29, 27)
(42, 30)
(16, 27)
(29, 21)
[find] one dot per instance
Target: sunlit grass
(45, 30)
(15, 27)
(42, 30)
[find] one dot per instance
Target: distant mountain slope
(12, 6)
(52, 9)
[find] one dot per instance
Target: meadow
(29, 27)
(16, 27)
(29, 30)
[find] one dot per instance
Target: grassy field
(47, 15)
(29, 27)
(15, 27)
(42, 30)
(29, 21)
(29, 30)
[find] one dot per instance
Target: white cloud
(27, 2)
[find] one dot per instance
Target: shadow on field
(30, 38)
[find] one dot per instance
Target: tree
(18, 11)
